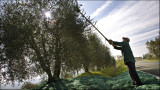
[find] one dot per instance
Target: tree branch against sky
(41, 37)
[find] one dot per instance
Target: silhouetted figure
(129, 59)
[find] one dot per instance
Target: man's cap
(128, 40)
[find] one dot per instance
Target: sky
(138, 20)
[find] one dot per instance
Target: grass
(108, 78)
(28, 85)
(113, 71)
(106, 72)
(91, 74)
(150, 60)
(109, 71)
(96, 81)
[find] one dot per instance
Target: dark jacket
(126, 51)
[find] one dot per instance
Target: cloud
(139, 51)
(99, 10)
(144, 36)
(121, 23)
(132, 19)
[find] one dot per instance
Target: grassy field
(108, 78)
(150, 60)
(98, 81)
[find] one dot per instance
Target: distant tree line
(153, 47)
(32, 45)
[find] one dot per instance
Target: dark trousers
(133, 73)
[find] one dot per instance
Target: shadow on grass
(59, 84)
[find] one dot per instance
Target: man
(129, 59)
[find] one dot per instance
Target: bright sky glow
(138, 20)
(48, 14)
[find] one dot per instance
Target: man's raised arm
(119, 43)
(117, 47)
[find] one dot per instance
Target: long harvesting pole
(93, 25)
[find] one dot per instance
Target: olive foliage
(32, 44)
